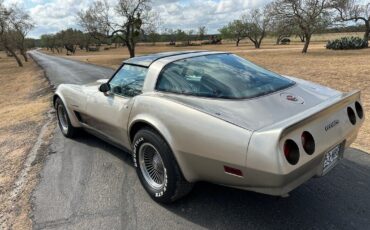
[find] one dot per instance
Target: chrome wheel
(151, 165)
(62, 116)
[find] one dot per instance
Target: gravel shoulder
(25, 129)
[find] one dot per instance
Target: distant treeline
(346, 29)
(182, 36)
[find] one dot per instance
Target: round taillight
(291, 151)
(359, 111)
(351, 115)
(308, 143)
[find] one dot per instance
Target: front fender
(64, 93)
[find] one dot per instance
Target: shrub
(285, 41)
(345, 43)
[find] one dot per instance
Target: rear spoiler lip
(311, 114)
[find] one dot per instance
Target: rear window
(219, 76)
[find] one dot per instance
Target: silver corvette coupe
(213, 116)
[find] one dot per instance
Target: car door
(109, 112)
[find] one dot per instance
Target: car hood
(259, 112)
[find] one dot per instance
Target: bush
(285, 41)
(346, 43)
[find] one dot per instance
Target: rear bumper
(260, 180)
(277, 184)
(281, 184)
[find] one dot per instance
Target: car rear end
(286, 154)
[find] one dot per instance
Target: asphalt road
(89, 184)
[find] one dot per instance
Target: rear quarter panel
(201, 143)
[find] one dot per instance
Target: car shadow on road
(95, 142)
(340, 200)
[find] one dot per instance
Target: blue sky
(51, 16)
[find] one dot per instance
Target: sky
(51, 16)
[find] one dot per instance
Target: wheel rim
(62, 116)
(151, 165)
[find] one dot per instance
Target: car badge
(331, 125)
(292, 98)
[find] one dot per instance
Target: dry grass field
(24, 101)
(341, 70)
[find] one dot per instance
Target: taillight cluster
(351, 114)
(291, 149)
(359, 110)
(308, 143)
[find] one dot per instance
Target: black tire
(175, 185)
(64, 123)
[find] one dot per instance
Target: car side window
(129, 80)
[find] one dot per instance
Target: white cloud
(54, 15)
(13, 2)
(212, 14)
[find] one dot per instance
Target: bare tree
(7, 33)
(70, 39)
(256, 22)
(202, 30)
(22, 24)
(131, 17)
(151, 30)
(153, 36)
(281, 29)
(235, 30)
(353, 10)
(180, 36)
(189, 36)
(309, 15)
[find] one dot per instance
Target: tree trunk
(302, 37)
(24, 54)
(15, 56)
(306, 43)
(278, 41)
(257, 45)
(367, 31)
(237, 42)
(259, 41)
(131, 48)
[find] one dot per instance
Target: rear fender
(165, 133)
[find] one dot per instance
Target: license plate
(331, 158)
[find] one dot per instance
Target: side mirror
(105, 87)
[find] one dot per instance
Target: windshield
(219, 76)
(129, 80)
